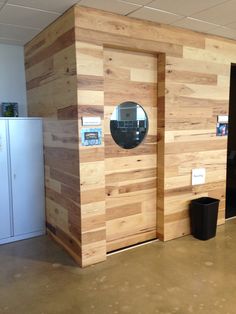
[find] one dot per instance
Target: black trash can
(203, 217)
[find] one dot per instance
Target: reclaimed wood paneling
(50, 62)
(130, 75)
(90, 91)
(66, 80)
(193, 88)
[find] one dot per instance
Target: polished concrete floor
(180, 276)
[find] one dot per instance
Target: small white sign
(223, 119)
(198, 176)
(86, 121)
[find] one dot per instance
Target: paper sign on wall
(86, 121)
(223, 119)
(222, 125)
(198, 176)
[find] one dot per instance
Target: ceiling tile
(221, 14)
(155, 15)
(141, 2)
(184, 7)
(48, 5)
(9, 41)
(194, 24)
(21, 16)
(223, 31)
(231, 25)
(17, 33)
(115, 6)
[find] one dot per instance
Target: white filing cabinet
(22, 202)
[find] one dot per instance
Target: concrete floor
(180, 276)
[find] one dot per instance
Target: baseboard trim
(230, 218)
(132, 247)
(22, 237)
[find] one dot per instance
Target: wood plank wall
(193, 88)
(130, 174)
(50, 63)
(92, 165)
(65, 73)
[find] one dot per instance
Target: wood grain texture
(90, 91)
(50, 61)
(69, 75)
(161, 68)
(130, 75)
(193, 88)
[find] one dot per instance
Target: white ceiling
(21, 20)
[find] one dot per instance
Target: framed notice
(9, 109)
(91, 137)
(222, 129)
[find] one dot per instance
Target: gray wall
(12, 76)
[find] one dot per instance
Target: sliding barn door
(131, 174)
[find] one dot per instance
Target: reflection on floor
(180, 276)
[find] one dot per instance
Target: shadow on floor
(37, 249)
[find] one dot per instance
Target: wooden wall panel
(65, 81)
(193, 88)
(192, 106)
(130, 174)
(161, 70)
(92, 167)
(50, 62)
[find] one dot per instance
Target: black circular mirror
(129, 124)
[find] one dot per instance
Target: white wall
(12, 76)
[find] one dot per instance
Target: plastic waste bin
(203, 217)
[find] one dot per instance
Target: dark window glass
(129, 124)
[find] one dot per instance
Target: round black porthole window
(129, 125)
